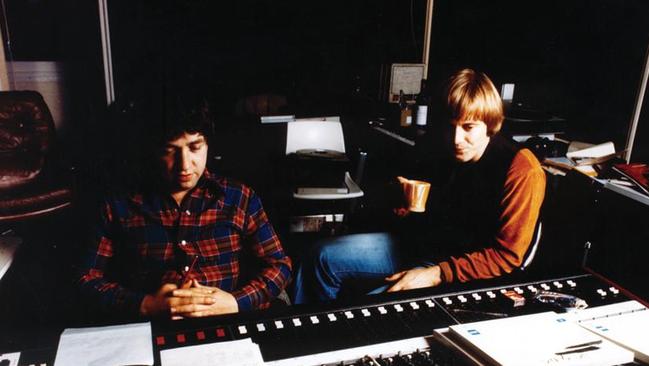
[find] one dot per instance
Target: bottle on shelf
(406, 110)
(422, 102)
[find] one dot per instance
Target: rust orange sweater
(497, 200)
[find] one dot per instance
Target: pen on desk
(188, 269)
(579, 348)
(592, 343)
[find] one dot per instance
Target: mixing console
(384, 329)
(390, 332)
(319, 332)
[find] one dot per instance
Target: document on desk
(9, 359)
(576, 151)
(626, 329)
(128, 344)
(537, 339)
(241, 353)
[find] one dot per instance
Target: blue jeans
(355, 263)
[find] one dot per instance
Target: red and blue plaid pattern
(143, 241)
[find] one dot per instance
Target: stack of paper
(582, 156)
(241, 353)
(539, 339)
(9, 359)
(128, 344)
(580, 150)
(628, 330)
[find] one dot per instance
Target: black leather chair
(32, 182)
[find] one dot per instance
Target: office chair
(33, 187)
(30, 184)
(26, 192)
(322, 138)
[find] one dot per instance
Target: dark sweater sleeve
(524, 191)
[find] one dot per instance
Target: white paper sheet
(629, 330)
(11, 357)
(596, 151)
(241, 353)
(538, 339)
(128, 344)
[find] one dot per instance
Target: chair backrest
(321, 135)
(534, 246)
(26, 134)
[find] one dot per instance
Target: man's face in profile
(470, 139)
(183, 160)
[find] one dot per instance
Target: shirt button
(183, 242)
(188, 213)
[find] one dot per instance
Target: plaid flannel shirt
(143, 241)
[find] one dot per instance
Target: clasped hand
(191, 300)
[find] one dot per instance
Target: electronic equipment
(400, 330)
(496, 302)
(346, 331)
(380, 330)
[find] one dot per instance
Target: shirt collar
(208, 183)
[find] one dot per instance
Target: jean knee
(322, 257)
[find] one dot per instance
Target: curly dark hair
(164, 119)
(138, 127)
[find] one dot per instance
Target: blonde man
(490, 205)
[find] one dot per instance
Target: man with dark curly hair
(176, 246)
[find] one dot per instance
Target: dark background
(580, 60)
(577, 59)
(325, 57)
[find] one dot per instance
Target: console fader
(358, 329)
(500, 302)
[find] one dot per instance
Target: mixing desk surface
(410, 320)
(558, 295)
(398, 331)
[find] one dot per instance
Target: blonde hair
(472, 96)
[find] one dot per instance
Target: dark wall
(578, 59)
(31, 32)
(318, 54)
(640, 148)
(65, 31)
